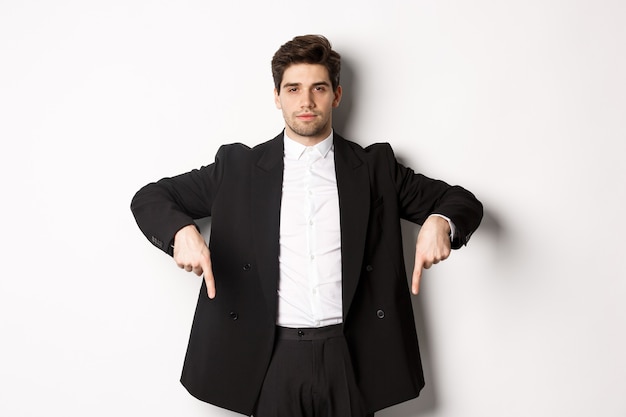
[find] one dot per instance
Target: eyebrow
(324, 83)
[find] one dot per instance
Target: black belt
(309, 333)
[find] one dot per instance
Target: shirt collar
(294, 150)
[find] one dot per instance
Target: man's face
(306, 99)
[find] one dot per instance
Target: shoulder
(373, 152)
(230, 150)
(239, 150)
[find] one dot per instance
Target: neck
(307, 140)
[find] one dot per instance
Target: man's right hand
(191, 253)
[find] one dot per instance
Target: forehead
(305, 74)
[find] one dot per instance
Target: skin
(306, 99)
(433, 246)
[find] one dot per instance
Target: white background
(521, 102)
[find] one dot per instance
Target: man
(304, 308)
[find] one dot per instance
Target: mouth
(306, 116)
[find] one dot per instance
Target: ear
(338, 93)
(277, 99)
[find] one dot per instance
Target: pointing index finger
(417, 275)
(208, 278)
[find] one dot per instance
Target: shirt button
(233, 315)
(247, 267)
(369, 268)
(380, 314)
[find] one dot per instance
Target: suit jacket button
(247, 267)
(233, 315)
(380, 314)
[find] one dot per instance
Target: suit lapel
(266, 192)
(354, 206)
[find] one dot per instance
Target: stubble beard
(307, 129)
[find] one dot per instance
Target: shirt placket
(311, 209)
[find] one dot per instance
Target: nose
(307, 100)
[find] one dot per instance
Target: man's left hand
(433, 246)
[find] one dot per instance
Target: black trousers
(310, 375)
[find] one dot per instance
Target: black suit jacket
(232, 336)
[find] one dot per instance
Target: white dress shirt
(309, 289)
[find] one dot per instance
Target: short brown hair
(307, 49)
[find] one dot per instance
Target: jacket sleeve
(420, 196)
(162, 208)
